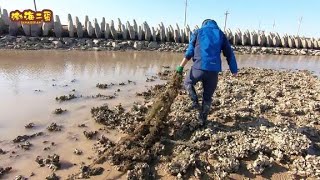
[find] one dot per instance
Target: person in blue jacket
(205, 48)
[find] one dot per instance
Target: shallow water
(23, 72)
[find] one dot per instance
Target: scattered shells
(260, 164)
(102, 145)
(54, 127)
(86, 172)
(90, 134)
(29, 126)
(77, 152)
(24, 138)
(25, 145)
(308, 166)
(66, 97)
(52, 161)
(141, 171)
(102, 86)
(59, 111)
(52, 176)
(20, 177)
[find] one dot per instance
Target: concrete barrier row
(133, 31)
(270, 40)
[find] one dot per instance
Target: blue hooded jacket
(205, 48)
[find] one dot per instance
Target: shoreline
(88, 44)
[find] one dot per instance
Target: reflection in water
(21, 72)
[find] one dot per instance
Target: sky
(244, 14)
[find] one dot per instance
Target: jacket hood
(210, 23)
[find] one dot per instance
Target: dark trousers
(209, 81)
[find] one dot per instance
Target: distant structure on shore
(143, 32)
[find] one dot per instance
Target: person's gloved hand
(179, 69)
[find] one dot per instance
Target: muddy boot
(194, 98)
(203, 115)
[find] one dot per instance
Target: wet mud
(260, 119)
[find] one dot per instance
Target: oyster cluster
(52, 176)
(86, 172)
(59, 111)
(90, 134)
(102, 145)
(308, 166)
(4, 171)
(24, 138)
(140, 171)
(66, 97)
(52, 161)
(260, 164)
(54, 127)
(29, 126)
(271, 116)
(118, 118)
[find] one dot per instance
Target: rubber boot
(203, 115)
(194, 98)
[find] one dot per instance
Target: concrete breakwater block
(86, 20)
(124, 32)
(253, 39)
(13, 28)
(162, 32)
(140, 33)
(35, 30)
(90, 29)
(79, 28)
(132, 32)
(304, 43)
(168, 34)
(57, 27)
(46, 27)
(103, 25)
(70, 26)
(135, 26)
(276, 41)
(309, 44)
(269, 42)
(262, 40)
(26, 29)
(236, 39)
(119, 26)
(97, 29)
(113, 31)
(107, 32)
(3, 27)
(291, 43)
(147, 31)
(154, 34)
(5, 17)
(284, 42)
(297, 41)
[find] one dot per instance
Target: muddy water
(57, 73)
